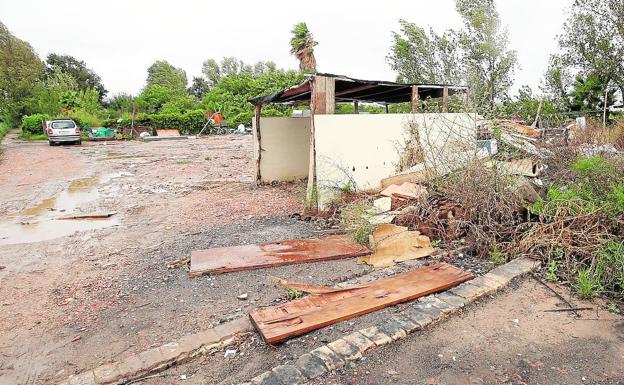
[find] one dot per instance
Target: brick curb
(162, 357)
(426, 311)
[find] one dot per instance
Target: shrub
(32, 124)
(190, 122)
(354, 220)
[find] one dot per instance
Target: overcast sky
(120, 39)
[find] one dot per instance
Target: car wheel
(79, 142)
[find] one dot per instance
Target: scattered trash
(283, 321)
(406, 190)
(76, 338)
(394, 244)
(510, 125)
(183, 376)
(229, 352)
(593, 150)
(247, 257)
(382, 205)
(243, 296)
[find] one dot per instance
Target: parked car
(63, 131)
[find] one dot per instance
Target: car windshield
(64, 124)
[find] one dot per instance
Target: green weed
(551, 271)
(496, 255)
(587, 284)
(294, 294)
(436, 243)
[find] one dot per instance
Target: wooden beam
(414, 99)
(445, 96)
(323, 100)
(387, 108)
(356, 106)
(258, 141)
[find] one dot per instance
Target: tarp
(103, 132)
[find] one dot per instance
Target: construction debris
(247, 257)
(280, 322)
(307, 288)
(394, 244)
(406, 190)
(169, 132)
(525, 167)
(510, 125)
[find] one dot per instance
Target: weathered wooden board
(247, 257)
(277, 323)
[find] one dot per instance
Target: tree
(419, 56)
(476, 55)
(21, 72)
(77, 69)
(593, 40)
(557, 82)
(489, 62)
(588, 94)
(163, 74)
(154, 96)
(302, 46)
(199, 87)
(121, 103)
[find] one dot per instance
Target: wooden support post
(356, 107)
(445, 99)
(257, 142)
(387, 108)
(415, 99)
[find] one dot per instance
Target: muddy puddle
(40, 222)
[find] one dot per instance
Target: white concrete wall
(367, 148)
(285, 148)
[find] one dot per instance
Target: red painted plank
(247, 257)
(277, 323)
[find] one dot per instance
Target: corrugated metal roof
(350, 89)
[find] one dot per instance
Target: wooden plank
(445, 96)
(246, 257)
(277, 323)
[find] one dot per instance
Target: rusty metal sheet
(246, 257)
(280, 322)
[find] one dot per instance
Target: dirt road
(76, 294)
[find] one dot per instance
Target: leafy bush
(32, 124)
(189, 122)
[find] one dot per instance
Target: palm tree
(302, 46)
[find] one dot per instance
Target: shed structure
(355, 149)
